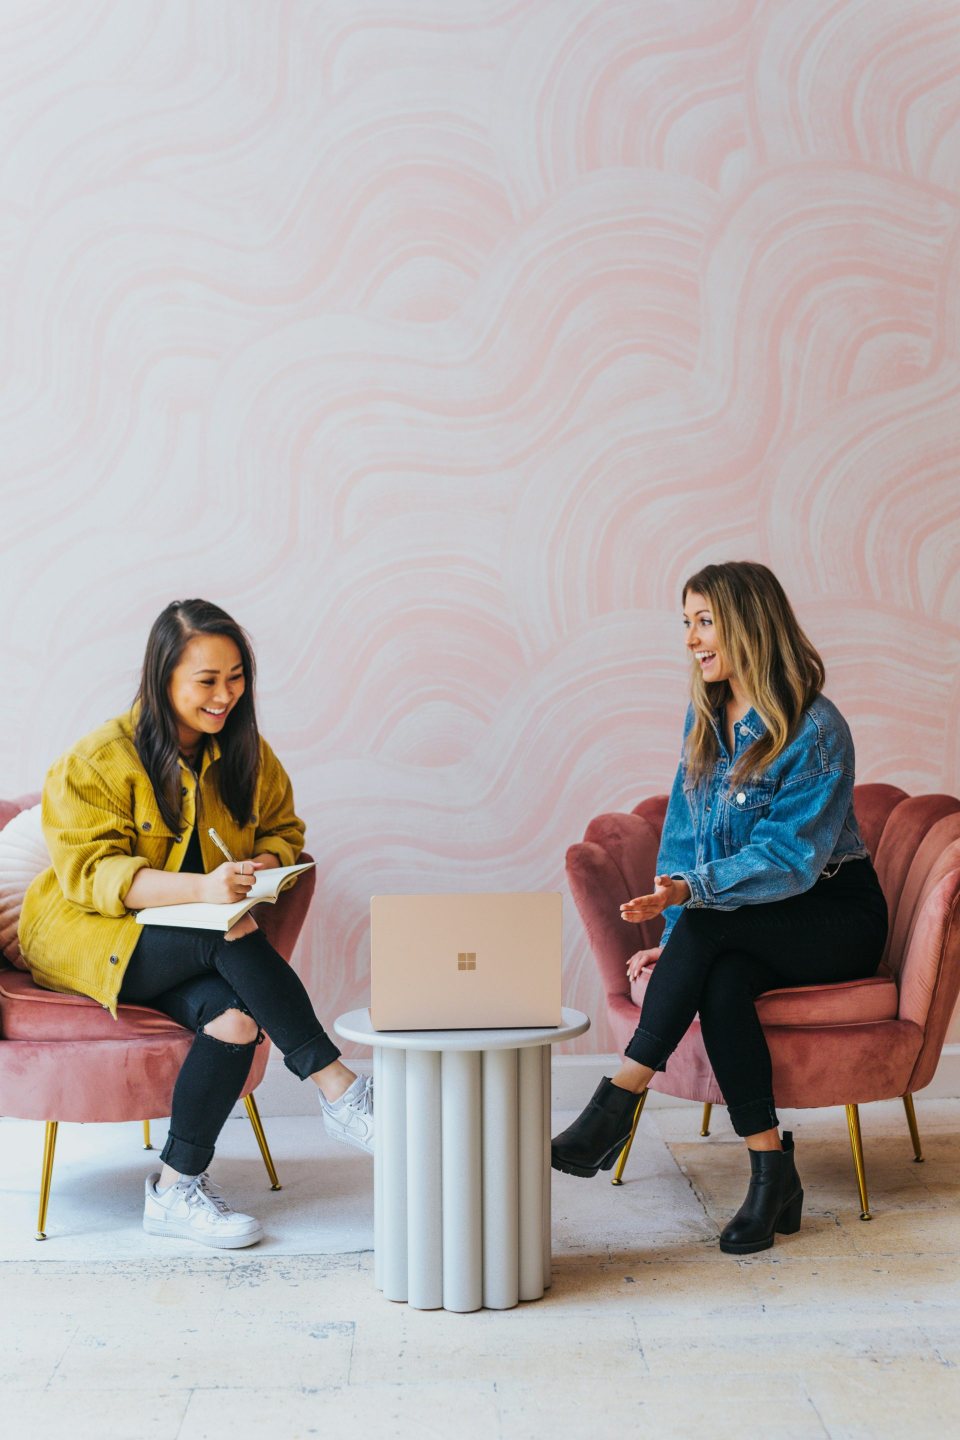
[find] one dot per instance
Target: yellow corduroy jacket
(102, 824)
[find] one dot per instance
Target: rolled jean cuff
(185, 1158)
(754, 1117)
(313, 1055)
(647, 1049)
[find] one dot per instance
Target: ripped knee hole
(233, 1027)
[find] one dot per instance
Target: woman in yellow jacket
(126, 814)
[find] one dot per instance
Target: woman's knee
(233, 1027)
(727, 985)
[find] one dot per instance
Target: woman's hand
(230, 881)
(642, 961)
(666, 891)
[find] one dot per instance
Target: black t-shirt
(193, 860)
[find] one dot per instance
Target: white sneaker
(350, 1118)
(192, 1210)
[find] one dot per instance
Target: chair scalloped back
(925, 864)
(873, 805)
(631, 842)
(899, 855)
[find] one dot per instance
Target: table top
(355, 1025)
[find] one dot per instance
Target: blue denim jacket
(774, 835)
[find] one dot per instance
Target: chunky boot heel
(598, 1134)
(773, 1204)
(789, 1222)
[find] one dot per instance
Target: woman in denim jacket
(763, 880)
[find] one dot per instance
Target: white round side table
(461, 1161)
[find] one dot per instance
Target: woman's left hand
(643, 960)
(666, 891)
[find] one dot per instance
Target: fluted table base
(462, 1161)
(462, 1176)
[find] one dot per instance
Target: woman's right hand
(229, 882)
(642, 961)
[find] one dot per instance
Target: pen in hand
(250, 874)
(219, 844)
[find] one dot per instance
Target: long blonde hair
(765, 647)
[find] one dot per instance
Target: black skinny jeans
(195, 975)
(716, 962)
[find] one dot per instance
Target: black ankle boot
(773, 1204)
(597, 1136)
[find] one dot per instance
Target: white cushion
(23, 855)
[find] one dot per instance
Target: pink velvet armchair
(63, 1057)
(842, 1044)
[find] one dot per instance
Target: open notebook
(198, 915)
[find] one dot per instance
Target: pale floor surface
(845, 1330)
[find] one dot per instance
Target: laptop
(465, 962)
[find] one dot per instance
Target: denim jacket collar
(747, 729)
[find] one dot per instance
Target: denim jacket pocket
(739, 810)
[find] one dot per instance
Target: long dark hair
(156, 736)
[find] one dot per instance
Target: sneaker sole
(177, 1230)
(345, 1139)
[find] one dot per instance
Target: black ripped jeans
(195, 975)
(716, 962)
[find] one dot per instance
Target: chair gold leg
(260, 1133)
(625, 1152)
(146, 1135)
(914, 1132)
(707, 1112)
(46, 1175)
(856, 1145)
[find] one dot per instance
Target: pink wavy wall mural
(439, 343)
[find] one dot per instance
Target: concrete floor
(845, 1330)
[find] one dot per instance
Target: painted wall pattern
(439, 343)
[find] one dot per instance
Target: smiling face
(205, 686)
(701, 638)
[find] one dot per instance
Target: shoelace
(359, 1107)
(364, 1101)
(201, 1188)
